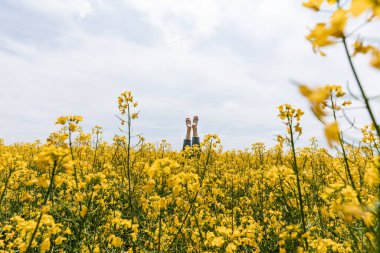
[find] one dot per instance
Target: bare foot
(195, 122)
(188, 123)
(194, 126)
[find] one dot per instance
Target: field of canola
(78, 193)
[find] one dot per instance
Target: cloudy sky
(230, 62)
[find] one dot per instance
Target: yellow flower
(149, 186)
(47, 220)
(43, 182)
(67, 231)
(338, 22)
(360, 6)
(375, 58)
(84, 211)
(61, 120)
(313, 4)
(316, 97)
(59, 240)
(45, 245)
(332, 133)
(349, 193)
(22, 247)
(347, 102)
(319, 37)
(371, 176)
(79, 197)
(114, 241)
(135, 115)
(217, 241)
(368, 219)
(26, 197)
(45, 209)
(360, 48)
(231, 247)
(297, 128)
(7, 228)
(72, 127)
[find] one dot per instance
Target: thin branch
(359, 27)
(374, 97)
(351, 93)
(351, 122)
(364, 96)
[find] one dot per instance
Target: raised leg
(194, 126)
(187, 140)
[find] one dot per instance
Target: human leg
(194, 126)
(187, 140)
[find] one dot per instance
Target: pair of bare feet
(191, 126)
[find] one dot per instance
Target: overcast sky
(230, 62)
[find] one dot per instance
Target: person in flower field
(191, 127)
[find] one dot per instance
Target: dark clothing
(194, 141)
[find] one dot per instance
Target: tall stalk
(50, 189)
(5, 186)
(362, 92)
(296, 170)
(373, 119)
(129, 173)
(72, 158)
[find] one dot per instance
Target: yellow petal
(332, 133)
(360, 6)
(338, 22)
(313, 4)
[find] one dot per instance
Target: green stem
(159, 231)
(295, 166)
(232, 204)
(96, 149)
(364, 96)
(5, 187)
(50, 189)
(373, 119)
(72, 158)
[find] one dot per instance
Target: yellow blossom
(372, 177)
(59, 240)
(217, 241)
(360, 6)
(375, 58)
(45, 245)
(338, 22)
(313, 4)
(84, 211)
(332, 133)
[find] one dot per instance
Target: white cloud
(181, 22)
(62, 8)
(228, 62)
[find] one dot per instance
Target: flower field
(77, 192)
